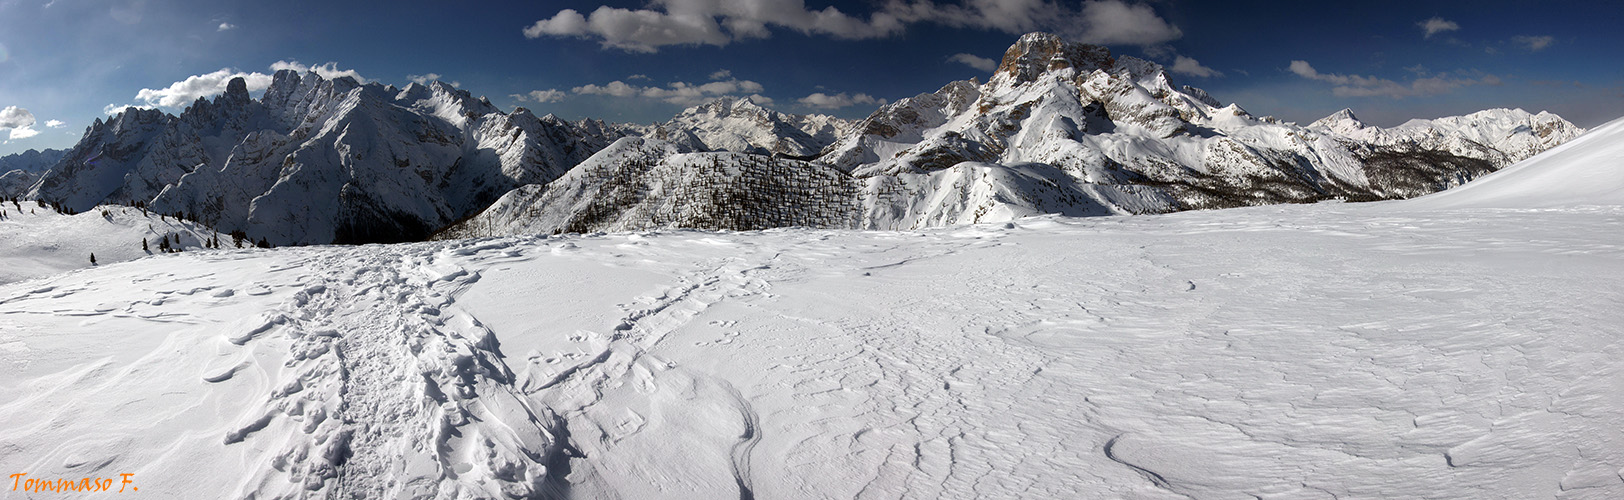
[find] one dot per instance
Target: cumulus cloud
(541, 96)
(55, 124)
(1108, 22)
(20, 122)
(842, 100)
(430, 77)
(226, 27)
(183, 92)
(186, 91)
(1435, 26)
(974, 61)
(22, 133)
(1534, 43)
(328, 71)
(15, 117)
(1370, 86)
(682, 93)
(719, 22)
(721, 74)
(760, 99)
(113, 109)
(1189, 66)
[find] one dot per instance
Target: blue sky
(64, 63)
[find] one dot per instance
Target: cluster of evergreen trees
(238, 238)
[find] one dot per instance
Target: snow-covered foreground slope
(1307, 351)
(36, 242)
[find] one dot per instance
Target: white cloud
(182, 93)
(541, 96)
(1534, 43)
(1109, 22)
(423, 79)
(328, 71)
(1189, 66)
(113, 109)
(55, 124)
(226, 27)
(639, 77)
(23, 133)
(842, 100)
(15, 117)
(19, 120)
(760, 99)
(1435, 26)
(681, 93)
(719, 22)
(721, 74)
(974, 61)
(1370, 86)
(615, 88)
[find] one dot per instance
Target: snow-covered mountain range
(319, 161)
(740, 125)
(1060, 127)
(21, 170)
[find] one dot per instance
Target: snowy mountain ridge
(21, 170)
(319, 161)
(1060, 127)
(1068, 128)
(740, 125)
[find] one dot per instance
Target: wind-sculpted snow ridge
(321, 161)
(1067, 128)
(1299, 351)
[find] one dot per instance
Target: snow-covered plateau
(1465, 345)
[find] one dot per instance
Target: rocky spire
(1036, 53)
(237, 90)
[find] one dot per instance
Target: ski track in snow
(1319, 351)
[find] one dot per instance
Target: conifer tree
(144, 245)
(92, 258)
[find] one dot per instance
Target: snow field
(1280, 352)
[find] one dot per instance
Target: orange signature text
(63, 485)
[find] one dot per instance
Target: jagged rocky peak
(237, 90)
(1038, 53)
